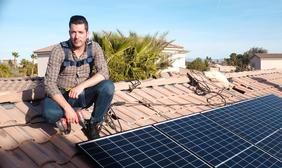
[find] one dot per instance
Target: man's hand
(71, 115)
(75, 92)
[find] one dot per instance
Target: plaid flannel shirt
(71, 76)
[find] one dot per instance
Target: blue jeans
(101, 95)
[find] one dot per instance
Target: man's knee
(107, 87)
(51, 111)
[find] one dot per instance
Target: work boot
(93, 130)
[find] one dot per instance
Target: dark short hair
(78, 19)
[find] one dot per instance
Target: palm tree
(33, 57)
(5, 71)
(15, 55)
(133, 57)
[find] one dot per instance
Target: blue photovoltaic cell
(272, 101)
(205, 138)
(273, 144)
(247, 134)
(252, 158)
(141, 148)
(252, 120)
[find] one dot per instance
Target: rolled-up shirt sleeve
(100, 63)
(53, 69)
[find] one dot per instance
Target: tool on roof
(65, 127)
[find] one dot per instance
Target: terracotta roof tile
(15, 158)
(52, 165)
(37, 133)
(15, 114)
(19, 84)
(7, 142)
(45, 153)
(18, 133)
(80, 161)
(40, 144)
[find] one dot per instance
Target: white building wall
(178, 62)
(255, 63)
(178, 58)
(42, 64)
(271, 63)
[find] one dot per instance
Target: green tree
(242, 61)
(250, 53)
(15, 55)
(5, 71)
(33, 57)
(25, 68)
(165, 61)
(255, 50)
(133, 57)
(233, 59)
(197, 64)
(208, 61)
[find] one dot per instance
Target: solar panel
(252, 158)
(145, 147)
(205, 138)
(271, 101)
(273, 144)
(246, 134)
(252, 120)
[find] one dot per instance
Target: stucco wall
(271, 63)
(42, 64)
(255, 63)
(179, 60)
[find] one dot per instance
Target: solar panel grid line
(272, 144)
(130, 156)
(258, 106)
(127, 157)
(104, 160)
(202, 143)
(154, 144)
(244, 134)
(256, 133)
(277, 105)
(163, 153)
(172, 140)
(264, 106)
(172, 148)
(231, 119)
(98, 164)
(106, 150)
(233, 156)
(272, 101)
(253, 157)
(268, 136)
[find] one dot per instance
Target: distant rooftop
(264, 55)
(45, 49)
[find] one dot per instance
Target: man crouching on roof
(70, 83)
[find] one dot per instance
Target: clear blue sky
(213, 28)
